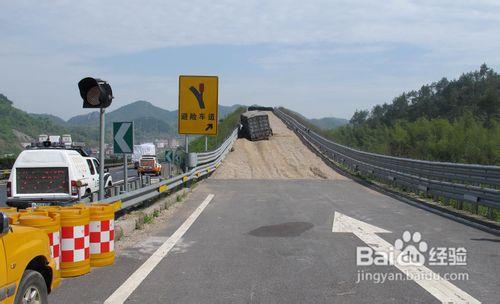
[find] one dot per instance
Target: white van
(52, 176)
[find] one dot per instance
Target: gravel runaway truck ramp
(283, 156)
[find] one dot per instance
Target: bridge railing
(210, 162)
(457, 183)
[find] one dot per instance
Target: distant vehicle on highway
(149, 165)
(53, 175)
(140, 150)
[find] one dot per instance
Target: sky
(318, 57)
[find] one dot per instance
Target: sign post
(170, 158)
(123, 143)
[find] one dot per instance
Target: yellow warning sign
(198, 105)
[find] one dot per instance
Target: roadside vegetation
(451, 121)
(455, 121)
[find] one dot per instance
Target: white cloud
(48, 44)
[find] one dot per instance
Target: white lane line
(436, 285)
(131, 284)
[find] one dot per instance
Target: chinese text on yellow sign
(198, 105)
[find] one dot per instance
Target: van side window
(92, 170)
(96, 164)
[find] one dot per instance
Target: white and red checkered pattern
(75, 243)
(102, 236)
(55, 247)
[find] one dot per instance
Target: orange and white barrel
(50, 223)
(102, 234)
(75, 241)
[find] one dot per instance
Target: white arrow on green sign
(123, 137)
(169, 156)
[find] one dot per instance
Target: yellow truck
(26, 266)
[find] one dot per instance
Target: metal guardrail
(207, 163)
(4, 174)
(460, 182)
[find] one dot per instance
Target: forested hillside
(456, 121)
(17, 126)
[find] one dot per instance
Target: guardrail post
(490, 213)
(475, 208)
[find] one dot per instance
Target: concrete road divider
(50, 222)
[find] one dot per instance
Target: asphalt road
(117, 173)
(271, 241)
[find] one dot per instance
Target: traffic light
(96, 93)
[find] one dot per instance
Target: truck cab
(26, 267)
(93, 180)
(149, 164)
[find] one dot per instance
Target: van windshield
(42, 180)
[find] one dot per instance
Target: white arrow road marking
(441, 289)
(131, 284)
(119, 137)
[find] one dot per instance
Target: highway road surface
(117, 173)
(276, 225)
(271, 241)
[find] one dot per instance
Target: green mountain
(17, 126)
(54, 119)
(328, 123)
(133, 111)
(151, 122)
(138, 110)
(325, 123)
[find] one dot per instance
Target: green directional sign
(169, 156)
(123, 137)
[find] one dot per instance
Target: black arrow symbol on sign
(209, 126)
(199, 95)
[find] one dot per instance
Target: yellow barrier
(50, 222)
(102, 234)
(11, 213)
(75, 240)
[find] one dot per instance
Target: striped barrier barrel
(102, 234)
(50, 222)
(75, 241)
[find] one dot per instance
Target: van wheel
(32, 289)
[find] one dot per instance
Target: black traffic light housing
(96, 93)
